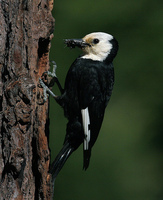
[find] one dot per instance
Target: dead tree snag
(26, 29)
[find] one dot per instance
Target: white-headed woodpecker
(88, 88)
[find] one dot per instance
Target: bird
(86, 93)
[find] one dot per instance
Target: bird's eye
(95, 41)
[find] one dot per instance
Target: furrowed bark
(26, 29)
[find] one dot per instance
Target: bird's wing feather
(88, 88)
(86, 127)
(87, 91)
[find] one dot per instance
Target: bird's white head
(100, 46)
(96, 46)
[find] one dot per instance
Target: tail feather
(87, 155)
(60, 160)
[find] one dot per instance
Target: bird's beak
(72, 43)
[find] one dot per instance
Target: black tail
(86, 159)
(60, 160)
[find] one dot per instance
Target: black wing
(96, 84)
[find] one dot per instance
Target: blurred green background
(127, 159)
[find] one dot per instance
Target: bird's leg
(46, 90)
(54, 77)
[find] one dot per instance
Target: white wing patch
(86, 124)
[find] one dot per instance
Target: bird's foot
(48, 79)
(46, 91)
(53, 73)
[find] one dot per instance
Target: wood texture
(26, 29)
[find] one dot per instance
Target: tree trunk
(26, 29)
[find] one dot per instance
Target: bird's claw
(44, 79)
(53, 73)
(46, 91)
